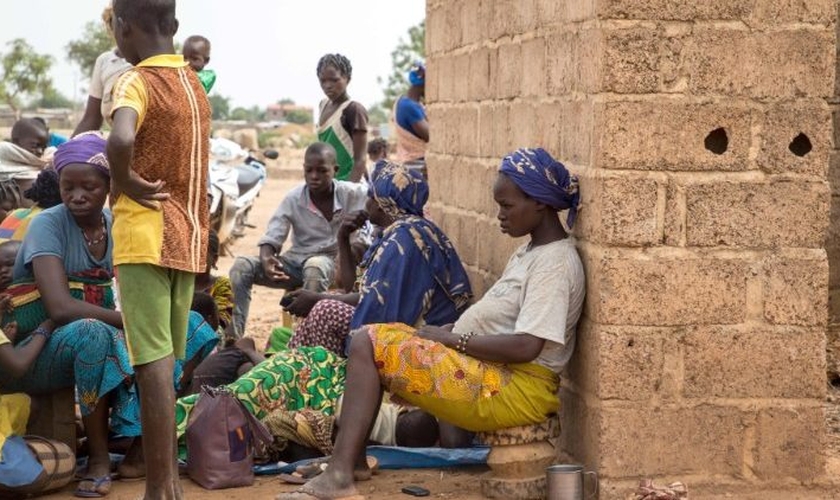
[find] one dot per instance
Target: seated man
(313, 213)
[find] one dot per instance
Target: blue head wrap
(544, 179)
(397, 190)
(417, 75)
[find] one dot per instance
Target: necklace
(99, 239)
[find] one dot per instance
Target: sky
(263, 50)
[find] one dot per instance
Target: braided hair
(213, 243)
(337, 61)
(45, 191)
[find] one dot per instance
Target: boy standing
(158, 153)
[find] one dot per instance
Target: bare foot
(133, 466)
(326, 486)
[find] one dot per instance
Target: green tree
(402, 58)
(94, 41)
(52, 99)
(25, 72)
(220, 106)
(377, 114)
(285, 100)
(299, 116)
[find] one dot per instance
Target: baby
(197, 53)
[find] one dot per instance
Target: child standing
(197, 53)
(342, 123)
(158, 154)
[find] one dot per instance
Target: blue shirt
(55, 232)
(408, 113)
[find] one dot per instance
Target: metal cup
(565, 482)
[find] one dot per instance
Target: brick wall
(702, 352)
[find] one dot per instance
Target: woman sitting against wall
(498, 366)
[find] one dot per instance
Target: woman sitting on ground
(498, 365)
(411, 274)
(45, 193)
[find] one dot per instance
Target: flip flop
(94, 487)
(318, 466)
(307, 493)
(293, 478)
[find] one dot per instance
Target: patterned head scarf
(417, 74)
(544, 179)
(87, 148)
(398, 191)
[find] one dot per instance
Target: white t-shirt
(540, 293)
(106, 71)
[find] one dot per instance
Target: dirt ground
(265, 314)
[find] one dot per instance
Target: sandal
(94, 487)
(306, 472)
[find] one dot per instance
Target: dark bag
(220, 436)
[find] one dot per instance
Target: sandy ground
(265, 314)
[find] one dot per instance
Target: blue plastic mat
(395, 457)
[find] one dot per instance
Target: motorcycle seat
(247, 178)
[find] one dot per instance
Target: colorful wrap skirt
(459, 389)
(292, 380)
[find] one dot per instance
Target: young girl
(342, 122)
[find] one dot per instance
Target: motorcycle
(236, 178)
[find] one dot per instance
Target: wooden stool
(54, 416)
(518, 458)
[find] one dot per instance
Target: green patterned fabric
(296, 379)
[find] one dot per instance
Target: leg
(96, 429)
(244, 274)
(157, 401)
(318, 273)
(357, 417)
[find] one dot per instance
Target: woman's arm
(92, 119)
(508, 349)
(61, 307)
(16, 362)
(359, 153)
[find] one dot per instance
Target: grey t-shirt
(540, 293)
(55, 232)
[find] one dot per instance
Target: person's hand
(441, 334)
(5, 306)
(145, 193)
(11, 331)
(302, 302)
(273, 269)
(351, 222)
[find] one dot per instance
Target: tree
(52, 99)
(299, 116)
(377, 114)
(94, 41)
(24, 73)
(220, 106)
(402, 59)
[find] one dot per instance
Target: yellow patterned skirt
(459, 389)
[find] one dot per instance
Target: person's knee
(320, 266)
(360, 343)
(242, 270)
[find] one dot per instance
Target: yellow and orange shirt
(171, 144)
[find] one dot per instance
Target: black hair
(45, 191)
(27, 125)
(320, 148)
(213, 244)
(197, 39)
(416, 429)
(42, 121)
(205, 305)
(11, 244)
(150, 16)
(337, 61)
(377, 146)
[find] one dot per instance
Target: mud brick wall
(702, 134)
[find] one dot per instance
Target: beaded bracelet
(42, 331)
(461, 345)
